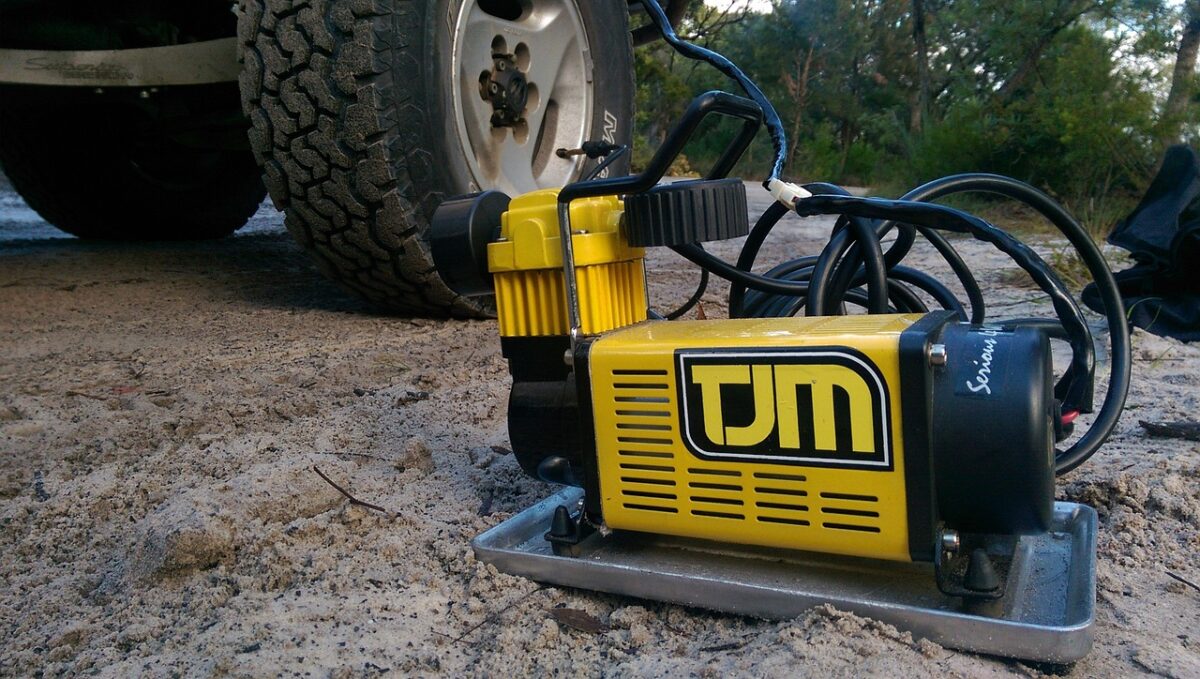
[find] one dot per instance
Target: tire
(354, 122)
(98, 166)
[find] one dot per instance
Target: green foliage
(1063, 93)
(969, 138)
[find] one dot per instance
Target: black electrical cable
(1051, 327)
(944, 218)
(727, 67)
(1076, 383)
(838, 246)
(1077, 395)
(930, 286)
(827, 291)
(730, 272)
(904, 299)
(756, 303)
(609, 159)
(871, 254)
(901, 298)
(830, 288)
(754, 240)
(744, 304)
(1093, 259)
(1114, 309)
(692, 301)
(948, 186)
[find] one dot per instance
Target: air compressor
(899, 435)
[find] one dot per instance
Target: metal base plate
(1046, 614)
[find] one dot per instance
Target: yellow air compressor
(818, 433)
(898, 462)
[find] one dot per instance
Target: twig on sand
(578, 619)
(491, 618)
(1184, 580)
(72, 392)
(731, 646)
(1019, 302)
(1188, 431)
(342, 453)
(353, 500)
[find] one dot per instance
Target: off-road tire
(73, 161)
(350, 128)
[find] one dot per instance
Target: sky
(756, 5)
(764, 5)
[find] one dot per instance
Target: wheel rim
(546, 42)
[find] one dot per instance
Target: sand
(162, 407)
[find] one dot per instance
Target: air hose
(854, 268)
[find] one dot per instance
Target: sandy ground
(162, 407)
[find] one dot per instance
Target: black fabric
(1162, 290)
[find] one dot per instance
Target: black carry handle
(709, 102)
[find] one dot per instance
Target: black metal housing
(459, 234)
(543, 427)
(992, 430)
(543, 409)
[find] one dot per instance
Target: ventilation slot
(861, 509)
(646, 493)
(781, 491)
(849, 512)
(646, 453)
(642, 413)
(651, 508)
(648, 467)
(621, 373)
(643, 427)
(640, 386)
(779, 477)
(644, 440)
(714, 486)
(717, 515)
(649, 482)
(850, 526)
(780, 519)
(848, 496)
(714, 472)
(641, 399)
(716, 500)
(781, 505)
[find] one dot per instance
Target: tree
(1064, 93)
(1183, 77)
(921, 100)
(1061, 15)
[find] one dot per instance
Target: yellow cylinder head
(526, 263)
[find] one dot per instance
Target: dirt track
(162, 407)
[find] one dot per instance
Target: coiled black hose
(824, 283)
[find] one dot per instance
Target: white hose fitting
(787, 192)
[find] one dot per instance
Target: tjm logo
(805, 406)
